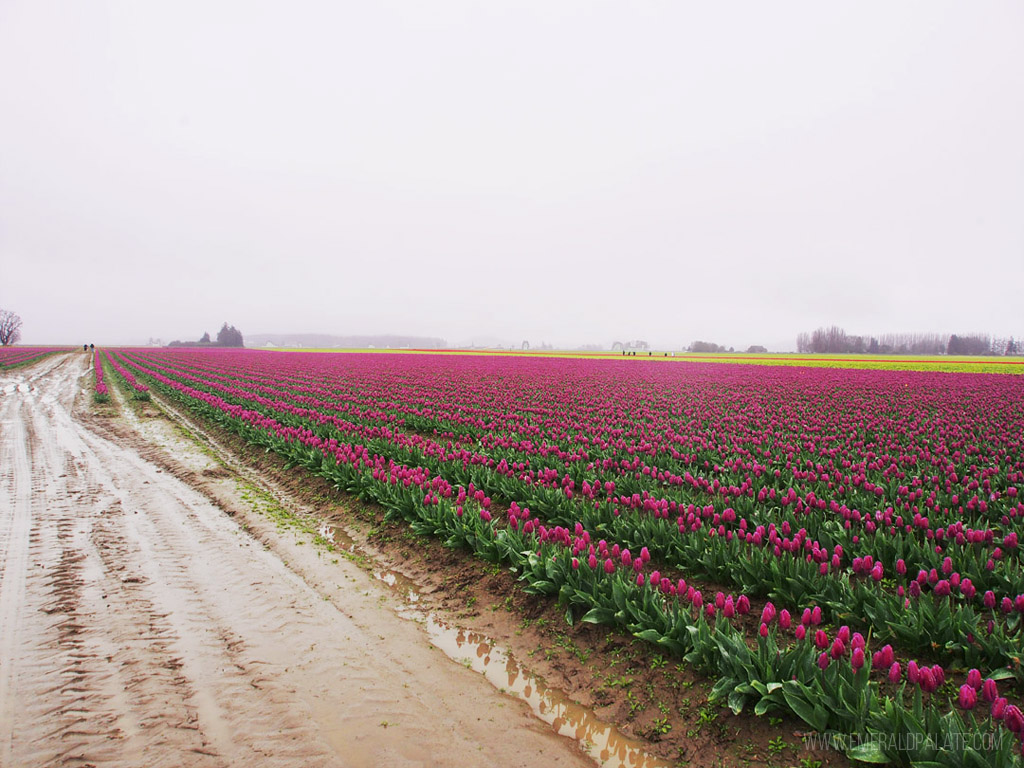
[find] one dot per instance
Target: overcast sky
(563, 171)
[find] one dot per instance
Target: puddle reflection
(602, 741)
(599, 739)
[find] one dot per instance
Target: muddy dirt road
(141, 626)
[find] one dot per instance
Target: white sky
(563, 171)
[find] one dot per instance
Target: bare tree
(10, 327)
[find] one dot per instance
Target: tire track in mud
(123, 659)
(15, 525)
(140, 626)
(74, 683)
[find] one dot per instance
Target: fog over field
(569, 172)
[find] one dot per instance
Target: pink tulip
(989, 691)
(999, 706)
(974, 679)
(927, 680)
(968, 697)
(838, 648)
(743, 605)
(1013, 719)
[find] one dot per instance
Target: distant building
(635, 344)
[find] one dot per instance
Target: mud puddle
(601, 741)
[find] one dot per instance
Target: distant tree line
(707, 346)
(710, 346)
(228, 336)
(834, 340)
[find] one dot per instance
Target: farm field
(12, 357)
(836, 547)
(939, 363)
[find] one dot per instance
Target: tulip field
(861, 528)
(15, 356)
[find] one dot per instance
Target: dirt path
(141, 626)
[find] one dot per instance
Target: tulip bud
(729, 609)
(974, 679)
(968, 697)
(999, 708)
(1014, 719)
(989, 691)
(927, 680)
(838, 648)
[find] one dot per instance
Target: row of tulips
(100, 392)
(797, 677)
(139, 391)
(954, 624)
